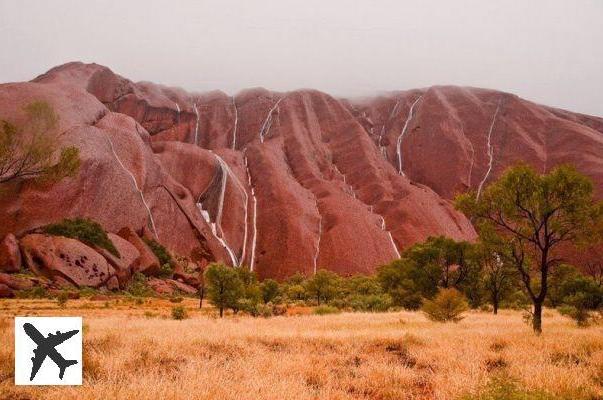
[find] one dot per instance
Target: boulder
(149, 263)
(188, 274)
(6, 292)
(127, 262)
(65, 260)
(10, 255)
(182, 287)
(15, 282)
(169, 287)
(160, 286)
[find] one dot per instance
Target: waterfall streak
(490, 151)
(404, 129)
(196, 124)
(236, 122)
(268, 121)
(135, 186)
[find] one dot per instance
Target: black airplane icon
(46, 347)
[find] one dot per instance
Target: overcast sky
(549, 51)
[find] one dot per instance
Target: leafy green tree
(31, 150)
(362, 285)
(406, 283)
(224, 286)
(270, 290)
(497, 276)
(323, 286)
(533, 216)
(252, 294)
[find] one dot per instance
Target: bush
(166, 270)
(323, 286)
(179, 313)
(324, 310)
(270, 290)
(176, 299)
(160, 252)
(448, 305)
(62, 299)
(85, 230)
(37, 292)
(139, 287)
(372, 303)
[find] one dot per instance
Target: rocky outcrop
(18, 283)
(148, 263)
(462, 138)
(6, 292)
(127, 262)
(170, 287)
(67, 260)
(10, 255)
(283, 182)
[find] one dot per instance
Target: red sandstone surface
(283, 182)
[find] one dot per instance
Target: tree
(423, 267)
(407, 283)
(224, 287)
(269, 290)
(251, 293)
(497, 276)
(323, 285)
(30, 151)
(532, 216)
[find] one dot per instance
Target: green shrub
(138, 286)
(62, 299)
(37, 292)
(166, 270)
(160, 252)
(372, 303)
(86, 291)
(83, 229)
(179, 313)
(176, 299)
(270, 290)
(324, 310)
(448, 305)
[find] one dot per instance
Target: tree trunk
(221, 312)
(201, 294)
(537, 318)
(495, 305)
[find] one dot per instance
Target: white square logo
(48, 351)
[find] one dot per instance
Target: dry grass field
(137, 351)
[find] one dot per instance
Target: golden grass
(397, 355)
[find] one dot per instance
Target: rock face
(169, 287)
(283, 182)
(148, 263)
(451, 138)
(6, 292)
(127, 262)
(17, 283)
(10, 255)
(66, 260)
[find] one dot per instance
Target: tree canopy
(529, 217)
(31, 150)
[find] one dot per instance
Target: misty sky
(549, 51)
